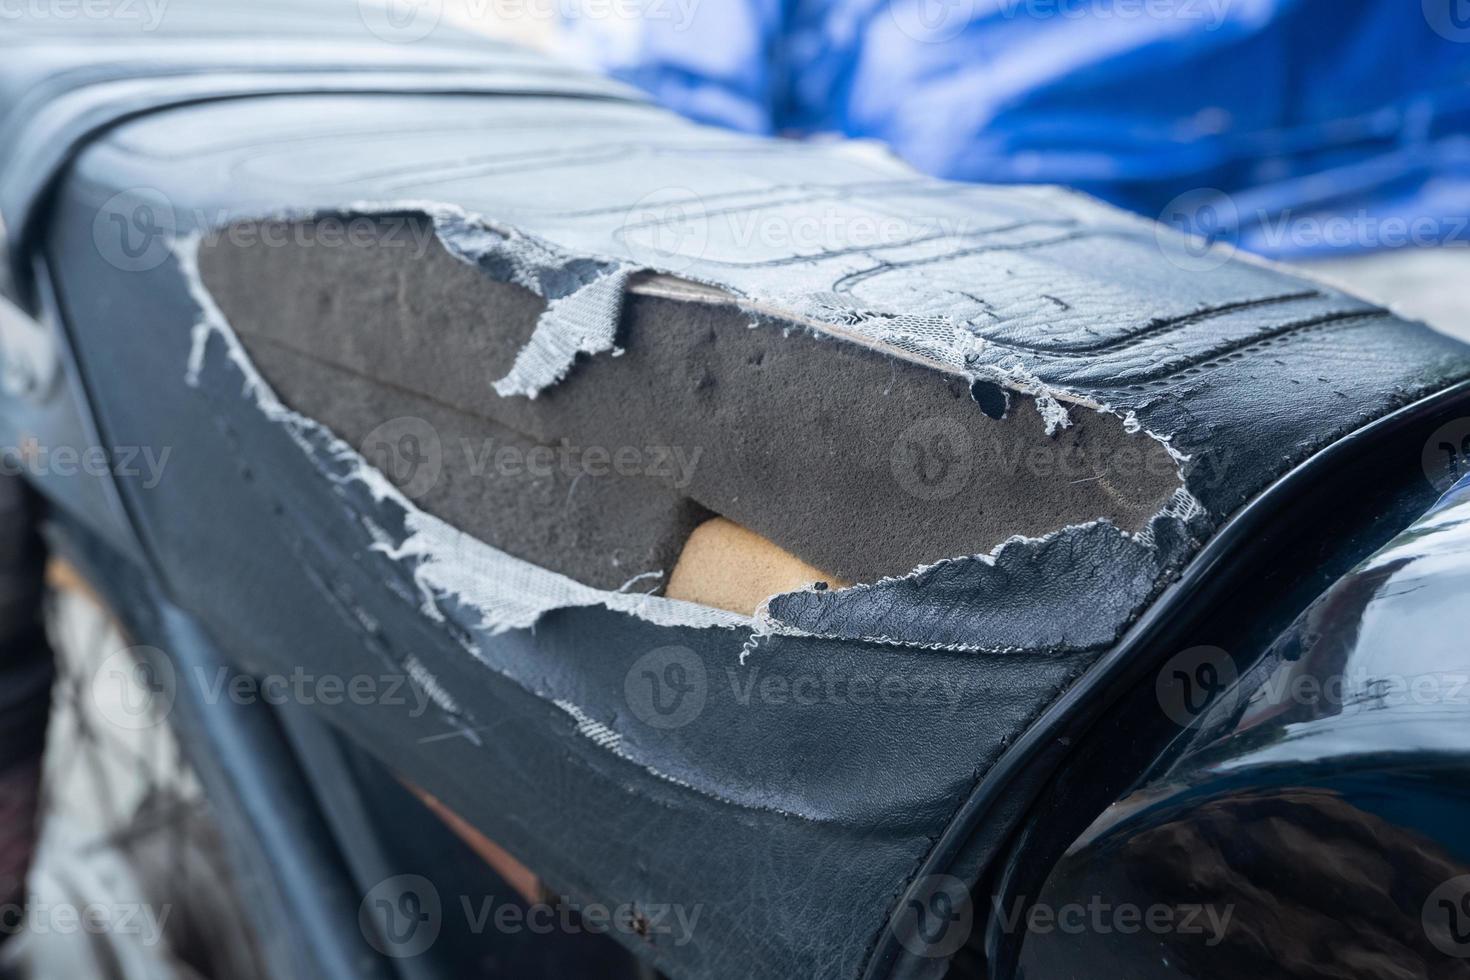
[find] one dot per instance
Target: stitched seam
(1213, 359)
(1153, 330)
(845, 284)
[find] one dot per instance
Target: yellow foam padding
(730, 567)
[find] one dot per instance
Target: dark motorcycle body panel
(1317, 800)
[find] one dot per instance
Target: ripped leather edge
(584, 295)
(508, 592)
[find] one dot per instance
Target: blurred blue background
(1294, 128)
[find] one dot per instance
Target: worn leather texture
(790, 793)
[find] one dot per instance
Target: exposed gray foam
(603, 531)
(860, 463)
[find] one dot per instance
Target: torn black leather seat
(817, 381)
(1012, 416)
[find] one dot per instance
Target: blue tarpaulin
(1294, 127)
